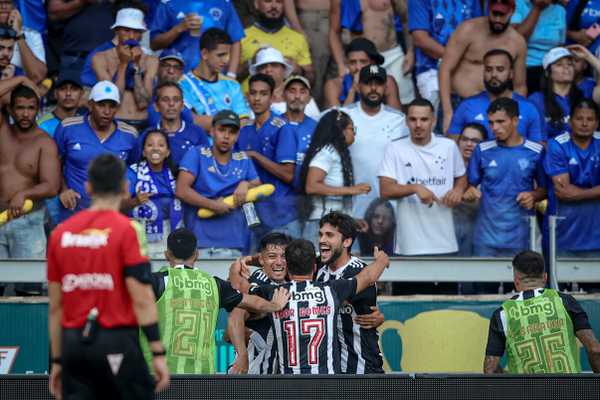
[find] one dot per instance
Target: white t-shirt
(36, 45)
(421, 229)
(328, 160)
(373, 136)
(312, 110)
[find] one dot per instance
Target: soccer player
(537, 328)
(206, 176)
(359, 317)
(259, 356)
(509, 170)
(99, 289)
(188, 301)
(306, 330)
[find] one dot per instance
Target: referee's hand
(161, 372)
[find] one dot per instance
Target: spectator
(344, 89)
(427, 174)
(466, 212)
(274, 155)
(431, 23)
(376, 127)
(81, 139)
(297, 94)
(270, 61)
(543, 24)
(270, 30)
(559, 90)
(381, 219)
(497, 79)
(327, 178)
(129, 68)
(180, 24)
(152, 190)
(30, 170)
(584, 82)
(377, 22)
(575, 183)
(75, 29)
(461, 69)
(206, 175)
(205, 90)
(29, 54)
(68, 91)
(509, 170)
(8, 39)
(582, 26)
(182, 135)
(170, 69)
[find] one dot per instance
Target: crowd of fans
(332, 102)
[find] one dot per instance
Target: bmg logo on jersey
(192, 284)
(315, 294)
(522, 310)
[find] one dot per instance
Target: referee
(537, 327)
(99, 289)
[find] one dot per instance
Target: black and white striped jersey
(305, 330)
(360, 353)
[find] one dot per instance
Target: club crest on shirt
(216, 13)
(523, 163)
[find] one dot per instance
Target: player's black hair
(500, 52)
(268, 79)
(23, 91)
(529, 263)
(420, 102)
(182, 243)
(274, 239)
(168, 161)
(509, 106)
(106, 175)
(477, 126)
(585, 104)
(300, 257)
(163, 85)
(344, 223)
(212, 38)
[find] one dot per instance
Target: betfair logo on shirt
(429, 181)
(90, 238)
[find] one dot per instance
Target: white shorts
(393, 59)
(429, 87)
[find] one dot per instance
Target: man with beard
(462, 64)
(7, 48)
(270, 30)
(497, 78)
(30, 169)
(376, 127)
(359, 316)
(260, 355)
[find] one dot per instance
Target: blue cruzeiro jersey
(215, 14)
(503, 173)
(474, 109)
(279, 146)
(207, 98)
(303, 133)
(439, 18)
(214, 180)
(78, 145)
(550, 129)
(577, 230)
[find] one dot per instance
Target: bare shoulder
(42, 139)
(467, 28)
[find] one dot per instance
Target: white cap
(105, 90)
(130, 18)
(554, 55)
(270, 55)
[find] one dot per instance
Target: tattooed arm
(592, 347)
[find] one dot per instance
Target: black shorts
(111, 367)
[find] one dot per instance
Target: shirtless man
(129, 68)
(375, 20)
(29, 169)
(462, 65)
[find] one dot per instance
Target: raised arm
(335, 43)
(258, 305)
(371, 273)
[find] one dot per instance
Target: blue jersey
(49, 122)
(347, 82)
(589, 16)
(207, 98)
(303, 132)
(88, 76)
(503, 173)
(33, 14)
(188, 136)
(214, 180)
(474, 109)
(439, 18)
(552, 129)
(578, 228)
(587, 86)
(278, 146)
(154, 115)
(78, 145)
(215, 14)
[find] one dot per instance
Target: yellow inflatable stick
(253, 194)
(27, 206)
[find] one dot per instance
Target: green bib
(187, 315)
(539, 335)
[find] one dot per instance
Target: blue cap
(68, 76)
(171, 54)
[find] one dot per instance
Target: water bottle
(91, 326)
(252, 219)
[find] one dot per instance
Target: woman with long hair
(381, 219)
(152, 188)
(326, 177)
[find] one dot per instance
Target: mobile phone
(593, 31)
